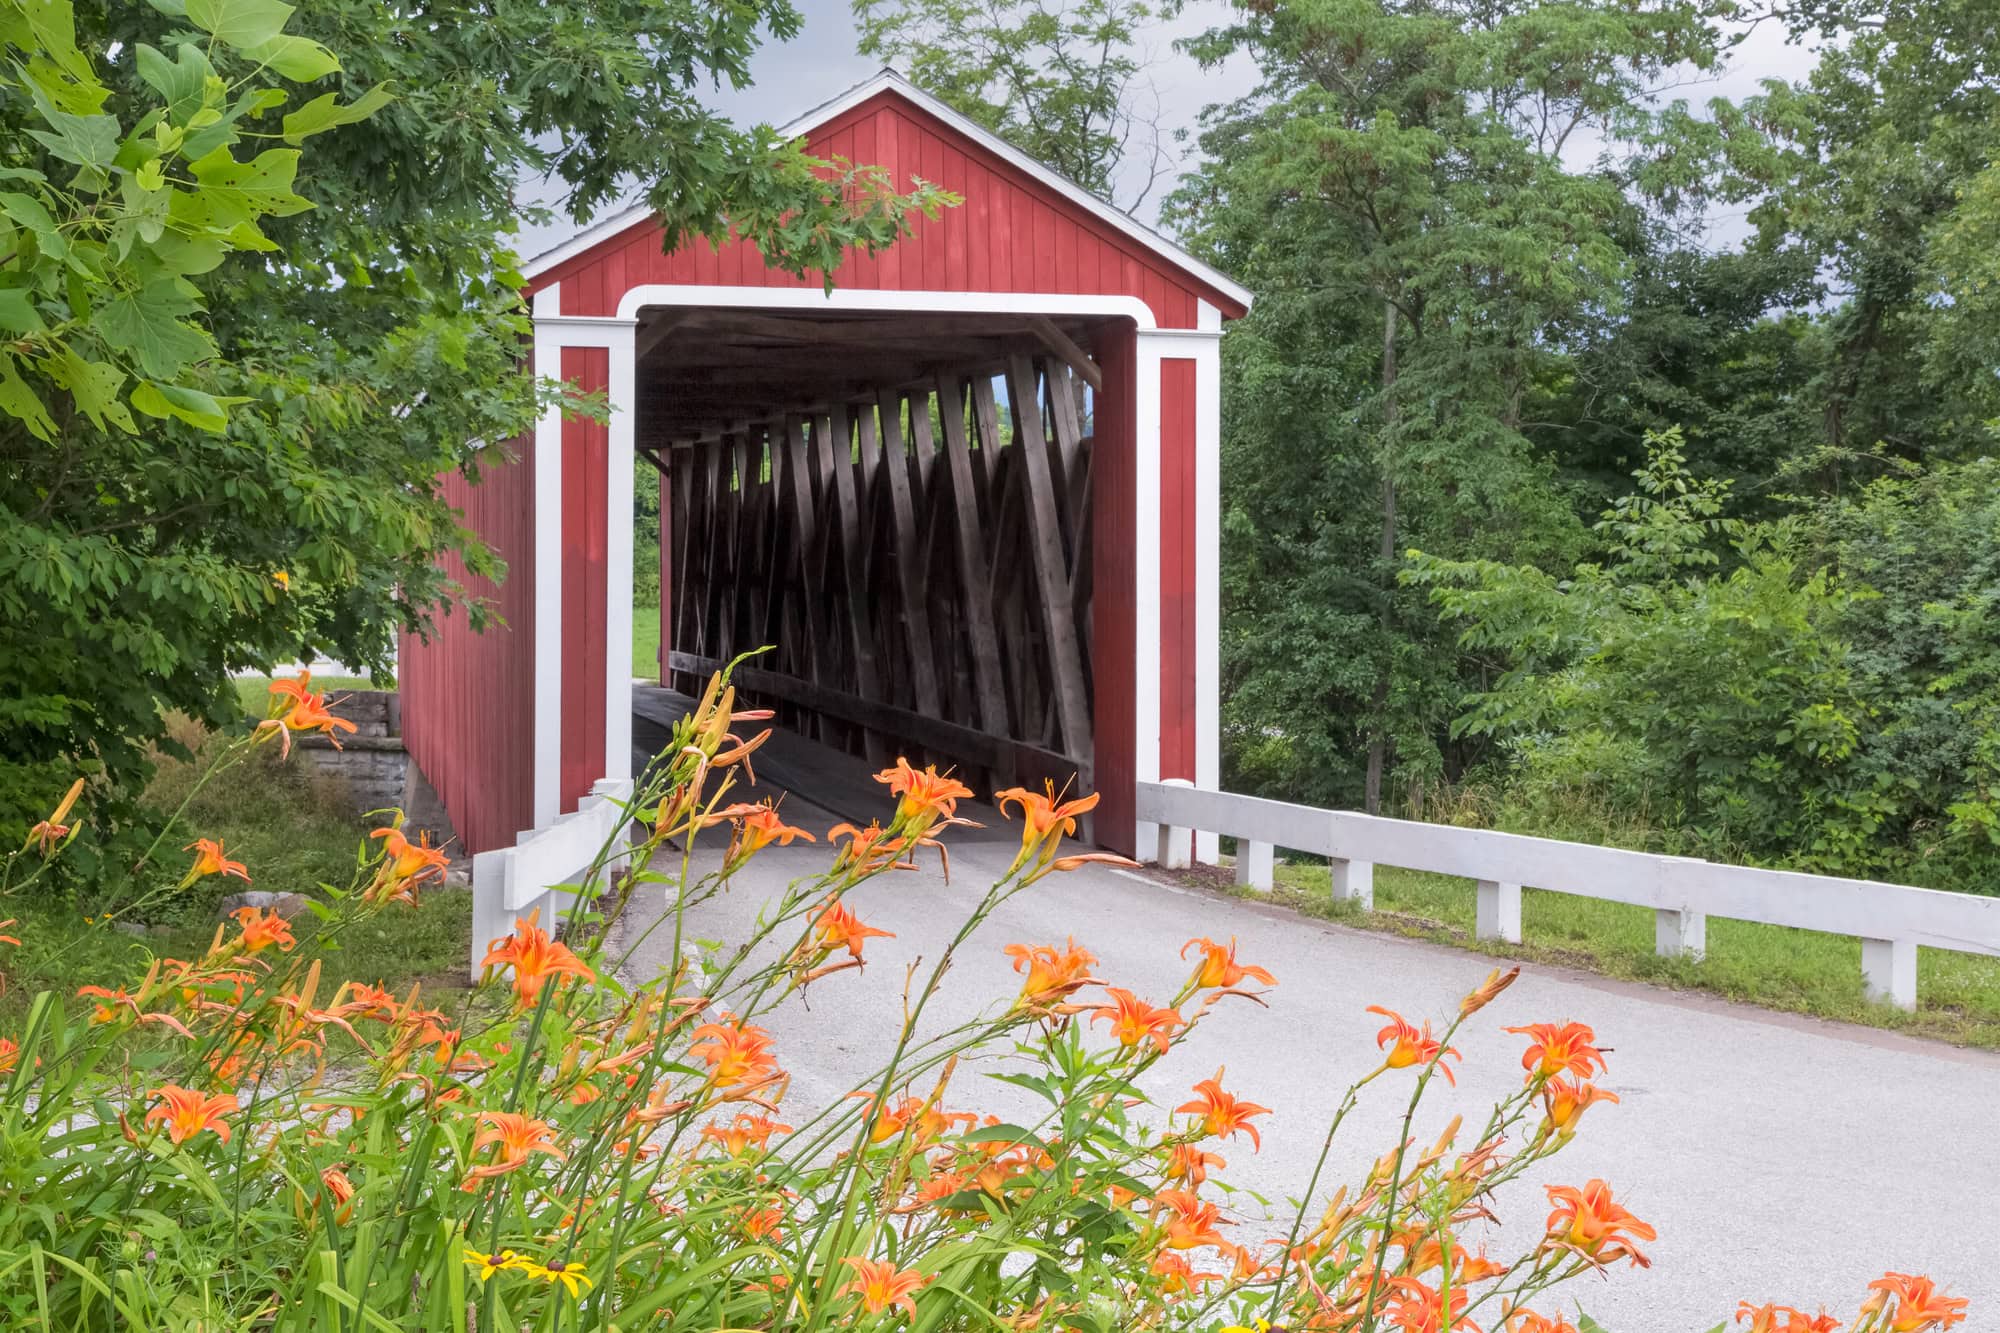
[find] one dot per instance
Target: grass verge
(1799, 971)
(646, 641)
(294, 834)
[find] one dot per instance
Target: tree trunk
(1377, 734)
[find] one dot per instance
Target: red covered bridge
(969, 497)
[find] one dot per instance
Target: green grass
(646, 641)
(1796, 970)
(293, 836)
(255, 691)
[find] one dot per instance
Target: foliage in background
(1397, 191)
(1828, 697)
(363, 347)
(1062, 80)
(603, 1155)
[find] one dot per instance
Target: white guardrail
(1890, 920)
(544, 867)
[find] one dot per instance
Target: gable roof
(889, 81)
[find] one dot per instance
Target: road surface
(1782, 1159)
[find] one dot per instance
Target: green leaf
(300, 59)
(19, 401)
(148, 324)
(17, 312)
(190, 405)
(244, 24)
(94, 385)
(181, 82)
(28, 211)
(234, 192)
(88, 141)
(323, 113)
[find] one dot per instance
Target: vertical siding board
(585, 452)
(1114, 642)
(1177, 596)
(468, 698)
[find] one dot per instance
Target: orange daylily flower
(837, 926)
(1567, 1099)
(867, 849)
(1178, 1274)
(746, 1131)
(342, 1191)
(1068, 863)
(880, 1285)
(535, 959)
(1588, 1223)
(925, 796)
(405, 865)
(8, 939)
(1560, 1048)
(50, 832)
(308, 712)
(1045, 821)
(262, 928)
(1488, 990)
(186, 1113)
(1189, 1220)
(1407, 1046)
(209, 860)
(518, 1137)
(1416, 1308)
(1219, 968)
(757, 827)
(1221, 1113)
(1913, 1304)
(1783, 1319)
(1185, 1162)
(1134, 1021)
(1052, 974)
(1527, 1321)
(738, 1054)
(106, 1012)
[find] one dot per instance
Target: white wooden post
(1499, 915)
(1255, 864)
(1354, 882)
(1889, 971)
(490, 916)
(1680, 934)
(1176, 848)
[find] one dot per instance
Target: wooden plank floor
(818, 786)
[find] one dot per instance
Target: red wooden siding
(1114, 548)
(1177, 571)
(469, 699)
(1011, 234)
(585, 541)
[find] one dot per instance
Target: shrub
(571, 1152)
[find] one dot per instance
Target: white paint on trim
(548, 302)
(846, 299)
(548, 582)
(585, 330)
(1208, 581)
(889, 80)
(623, 391)
(1207, 319)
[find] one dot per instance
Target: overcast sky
(792, 77)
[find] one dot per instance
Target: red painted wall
(1114, 549)
(469, 699)
(585, 540)
(1177, 558)
(1010, 235)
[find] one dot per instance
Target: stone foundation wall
(372, 766)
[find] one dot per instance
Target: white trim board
(889, 80)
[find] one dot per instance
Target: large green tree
(361, 346)
(1401, 192)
